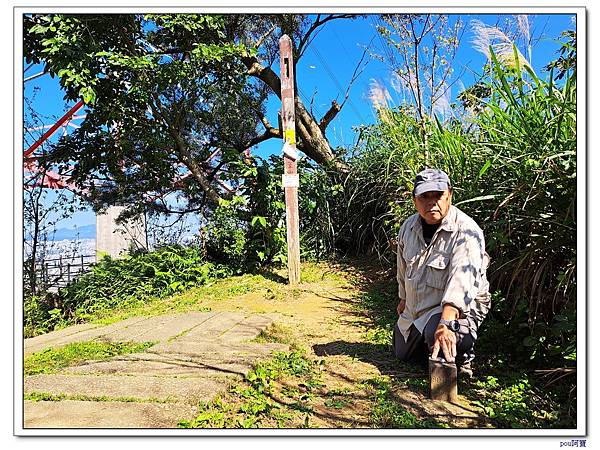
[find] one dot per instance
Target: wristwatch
(452, 325)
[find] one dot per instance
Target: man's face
(433, 205)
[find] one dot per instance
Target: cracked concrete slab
(143, 387)
(175, 364)
(215, 326)
(82, 414)
(197, 355)
(159, 328)
(247, 329)
(202, 349)
(57, 339)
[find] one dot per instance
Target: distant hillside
(83, 232)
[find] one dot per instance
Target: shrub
(119, 283)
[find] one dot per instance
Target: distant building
(113, 239)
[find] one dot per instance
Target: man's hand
(401, 306)
(445, 340)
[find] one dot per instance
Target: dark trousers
(417, 346)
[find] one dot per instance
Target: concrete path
(197, 356)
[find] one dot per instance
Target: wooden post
(290, 174)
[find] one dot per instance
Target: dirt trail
(322, 316)
(325, 316)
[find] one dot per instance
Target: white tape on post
(290, 151)
(292, 180)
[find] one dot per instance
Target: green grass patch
(37, 396)
(418, 384)
(318, 272)
(514, 401)
(387, 409)
(253, 404)
(380, 302)
(51, 360)
(278, 334)
(338, 398)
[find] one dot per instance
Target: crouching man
(442, 286)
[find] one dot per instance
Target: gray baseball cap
(431, 180)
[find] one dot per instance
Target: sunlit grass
(53, 359)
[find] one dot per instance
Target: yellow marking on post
(290, 137)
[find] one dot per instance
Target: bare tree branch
(335, 107)
(329, 115)
(314, 29)
(261, 39)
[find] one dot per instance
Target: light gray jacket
(451, 269)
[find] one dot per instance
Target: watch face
(454, 325)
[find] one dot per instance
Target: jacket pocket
(437, 272)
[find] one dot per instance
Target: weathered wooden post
(290, 155)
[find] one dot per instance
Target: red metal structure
(54, 180)
(50, 179)
(53, 128)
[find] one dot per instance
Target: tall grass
(513, 168)
(529, 126)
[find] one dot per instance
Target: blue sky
(324, 72)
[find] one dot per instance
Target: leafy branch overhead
(173, 99)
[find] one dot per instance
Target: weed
(420, 384)
(338, 398)
(514, 402)
(319, 272)
(51, 360)
(253, 403)
(380, 302)
(389, 413)
(276, 333)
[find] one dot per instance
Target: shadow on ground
(375, 304)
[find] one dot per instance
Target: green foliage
(149, 84)
(249, 231)
(514, 401)
(226, 235)
(508, 389)
(543, 345)
(52, 359)
(567, 60)
(124, 283)
(513, 168)
(320, 196)
(388, 411)
(316, 198)
(39, 315)
(530, 127)
(138, 277)
(266, 207)
(254, 404)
